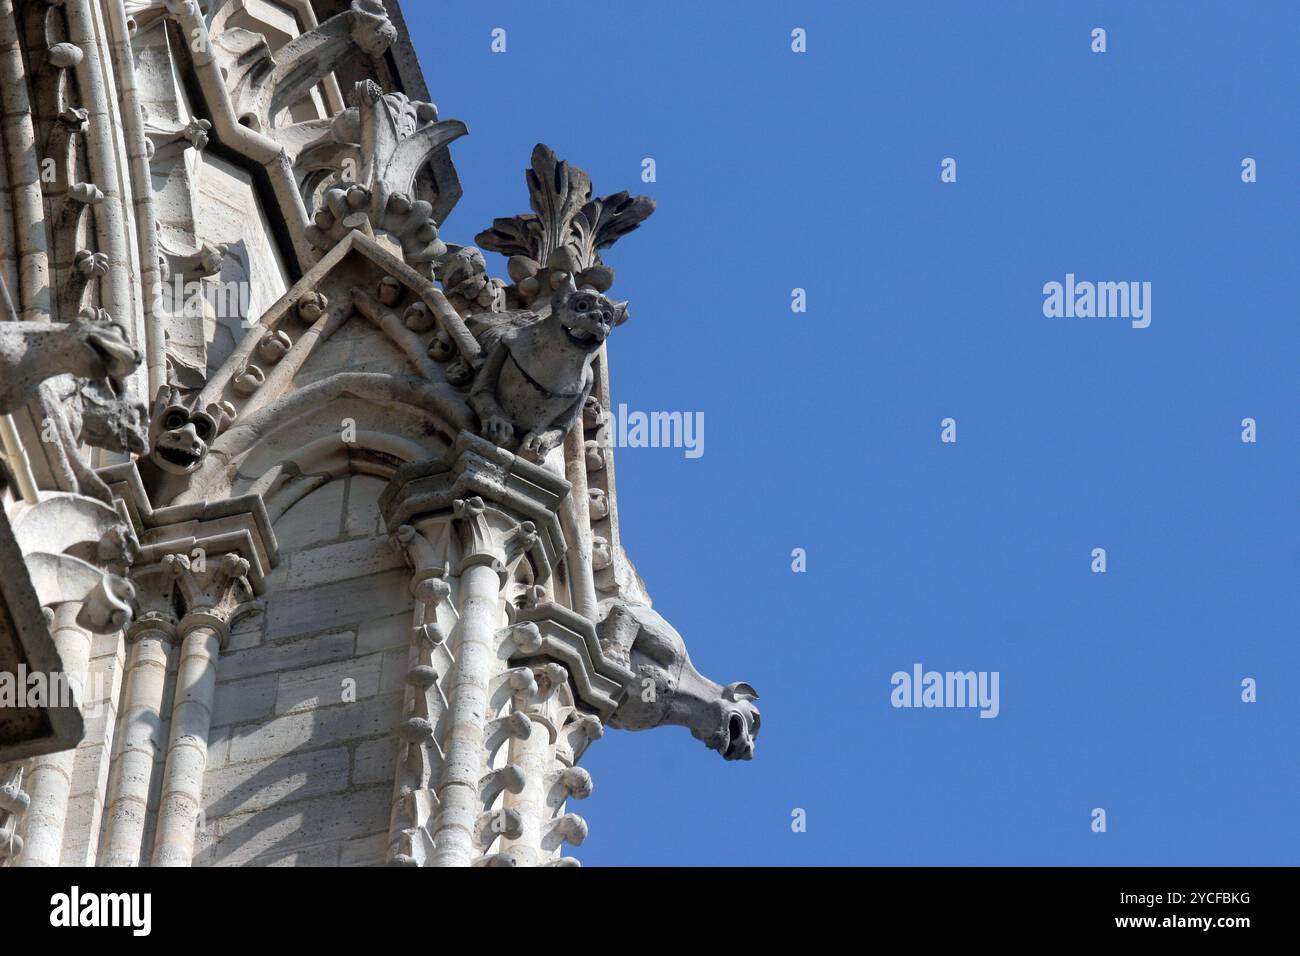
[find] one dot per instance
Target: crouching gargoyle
(76, 371)
(667, 689)
(537, 375)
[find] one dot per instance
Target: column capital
(155, 601)
(501, 505)
(214, 589)
(153, 622)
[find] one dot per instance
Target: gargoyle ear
(167, 396)
(218, 416)
(739, 691)
(621, 313)
(207, 423)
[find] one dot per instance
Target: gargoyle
(31, 352)
(98, 412)
(537, 375)
(179, 434)
(667, 689)
(76, 371)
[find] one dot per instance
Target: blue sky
(775, 170)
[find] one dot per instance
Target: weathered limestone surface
(317, 514)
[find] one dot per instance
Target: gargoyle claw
(498, 430)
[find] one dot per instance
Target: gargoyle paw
(498, 429)
(538, 444)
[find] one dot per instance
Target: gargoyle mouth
(118, 358)
(178, 457)
(583, 338)
(739, 746)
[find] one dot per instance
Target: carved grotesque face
(371, 28)
(112, 419)
(181, 437)
(734, 731)
(586, 316)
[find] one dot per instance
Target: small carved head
(371, 28)
(587, 316)
(112, 418)
(181, 436)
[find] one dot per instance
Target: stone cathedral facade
(309, 546)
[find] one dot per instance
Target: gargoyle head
(733, 730)
(91, 395)
(585, 315)
(102, 349)
(372, 31)
(180, 435)
(667, 689)
(112, 418)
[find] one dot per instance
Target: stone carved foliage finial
(364, 168)
(565, 232)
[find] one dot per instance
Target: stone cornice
(233, 526)
(474, 467)
(570, 638)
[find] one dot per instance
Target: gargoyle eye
(582, 305)
(202, 427)
(174, 420)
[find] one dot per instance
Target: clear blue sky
(821, 171)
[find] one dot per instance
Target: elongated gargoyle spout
(667, 689)
(91, 348)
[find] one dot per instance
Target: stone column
(50, 775)
(481, 572)
(214, 597)
(504, 521)
(149, 641)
